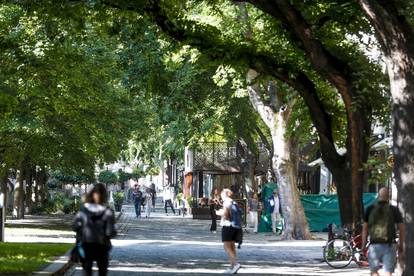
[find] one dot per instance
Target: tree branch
(331, 68)
(393, 28)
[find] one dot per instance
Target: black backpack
(236, 215)
(381, 224)
(138, 196)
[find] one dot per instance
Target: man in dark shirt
(380, 221)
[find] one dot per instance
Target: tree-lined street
(271, 101)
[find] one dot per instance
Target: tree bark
(276, 118)
(396, 36)
(19, 194)
(292, 208)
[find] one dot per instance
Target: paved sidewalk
(173, 245)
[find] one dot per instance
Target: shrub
(61, 202)
(118, 198)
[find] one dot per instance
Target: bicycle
(341, 251)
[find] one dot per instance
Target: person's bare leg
(374, 273)
(387, 274)
(234, 254)
(228, 246)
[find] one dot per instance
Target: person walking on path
(154, 196)
(95, 226)
(253, 209)
(167, 200)
(380, 223)
(148, 202)
(137, 196)
(231, 229)
(274, 204)
(215, 204)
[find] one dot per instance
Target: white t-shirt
(167, 194)
(226, 204)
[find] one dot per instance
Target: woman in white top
(229, 235)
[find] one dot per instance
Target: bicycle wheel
(337, 253)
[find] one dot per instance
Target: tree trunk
(19, 194)
(402, 90)
(346, 170)
(40, 191)
(396, 36)
(296, 226)
(29, 189)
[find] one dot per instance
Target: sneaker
(228, 271)
(235, 268)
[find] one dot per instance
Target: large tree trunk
(296, 225)
(19, 194)
(403, 135)
(276, 118)
(347, 170)
(396, 36)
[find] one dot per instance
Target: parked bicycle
(340, 251)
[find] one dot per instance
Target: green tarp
(320, 210)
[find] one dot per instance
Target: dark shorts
(229, 233)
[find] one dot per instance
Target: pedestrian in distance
(380, 222)
(215, 204)
(95, 226)
(137, 197)
(231, 229)
(253, 204)
(167, 200)
(154, 196)
(274, 203)
(148, 202)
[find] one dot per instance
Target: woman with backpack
(95, 226)
(231, 228)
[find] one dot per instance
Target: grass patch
(18, 258)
